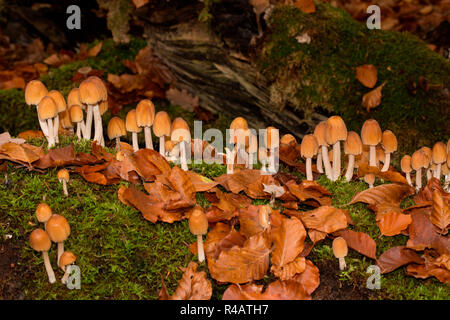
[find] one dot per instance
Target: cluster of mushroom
(435, 162)
(56, 229)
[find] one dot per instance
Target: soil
(331, 288)
(11, 286)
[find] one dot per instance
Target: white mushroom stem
(56, 128)
(51, 136)
(117, 143)
(148, 138)
(162, 146)
(66, 274)
(88, 127)
(134, 137)
(373, 156)
(80, 129)
(350, 167)
(326, 162)
(182, 155)
(336, 160)
(319, 162)
(387, 162)
(437, 173)
(44, 126)
(342, 264)
(250, 161)
(418, 179)
(408, 178)
(201, 251)
(429, 174)
(230, 159)
(64, 183)
(60, 251)
(309, 175)
(98, 136)
(272, 161)
(48, 267)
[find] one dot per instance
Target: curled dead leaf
(372, 99)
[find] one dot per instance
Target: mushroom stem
(182, 155)
(56, 128)
(64, 182)
(387, 162)
(201, 251)
(230, 159)
(319, 163)
(437, 173)
(60, 250)
(48, 267)
(350, 167)
(148, 138)
(51, 136)
(271, 159)
(342, 264)
(43, 125)
(79, 131)
(336, 160)
(98, 135)
(88, 127)
(326, 162)
(429, 174)
(309, 175)
(372, 157)
(66, 275)
(162, 146)
(418, 179)
(250, 161)
(408, 178)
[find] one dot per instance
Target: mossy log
(277, 80)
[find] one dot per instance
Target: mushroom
(131, 126)
(102, 107)
(43, 213)
(61, 106)
(405, 164)
(47, 110)
(371, 136)
(389, 144)
(320, 134)
(428, 168)
(66, 121)
(238, 136)
(63, 176)
(198, 225)
(352, 147)
(288, 139)
(73, 99)
(145, 115)
(272, 141)
(171, 149)
(116, 129)
(161, 129)
(380, 155)
(439, 156)
(180, 134)
(59, 230)
(34, 92)
(369, 178)
(251, 148)
(230, 156)
(76, 115)
(336, 131)
(263, 158)
(340, 251)
(446, 172)
(91, 93)
(419, 160)
(40, 241)
(309, 149)
(67, 258)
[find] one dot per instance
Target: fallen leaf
(440, 215)
(310, 190)
(372, 99)
(20, 152)
(359, 241)
(423, 234)
(182, 98)
(396, 257)
(390, 175)
(386, 193)
(307, 6)
(95, 50)
(367, 75)
(393, 223)
(326, 219)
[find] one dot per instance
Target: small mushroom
(238, 131)
(371, 136)
(288, 139)
(76, 115)
(320, 134)
(63, 176)
(336, 131)
(439, 157)
(181, 135)
(116, 129)
(91, 93)
(340, 251)
(67, 258)
(47, 110)
(65, 121)
(272, 141)
(252, 149)
(309, 149)
(34, 92)
(198, 225)
(145, 115)
(263, 158)
(43, 213)
(161, 129)
(429, 154)
(352, 147)
(369, 178)
(131, 126)
(59, 230)
(405, 164)
(389, 144)
(419, 160)
(61, 106)
(40, 241)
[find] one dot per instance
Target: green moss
(322, 73)
(15, 115)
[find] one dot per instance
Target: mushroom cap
(161, 124)
(405, 164)
(76, 113)
(271, 137)
(90, 92)
(320, 133)
(47, 108)
(445, 169)
(419, 160)
(389, 141)
(252, 145)
(103, 106)
(59, 100)
(335, 130)
(340, 248)
(116, 128)
(65, 120)
(67, 258)
(439, 154)
(429, 154)
(371, 132)
(40, 240)
(73, 98)
(145, 113)
(43, 212)
(198, 223)
(369, 178)
(238, 127)
(179, 131)
(239, 123)
(309, 146)
(131, 123)
(169, 145)
(288, 139)
(57, 228)
(353, 144)
(34, 92)
(63, 174)
(101, 85)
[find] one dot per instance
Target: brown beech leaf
(193, 285)
(290, 269)
(390, 175)
(213, 238)
(443, 261)
(181, 183)
(307, 6)
(21, 152)
(310, 190)
(385, 193)
(214, 214)
(249, 221)
(149, 163)
(440, 215)
(393, 223)
(309, 278)
(428, 270)
(182, 98)
(31, 134)
(277, 290)
(423, 234)
(326, 219)
(288, 241)
(241, 264)
(95, 50)
(359, 241)
(316, 235)
(372, 99)
(367, 75)
(396, 257)
(425, 195)
(200, 183)
(233, 238)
